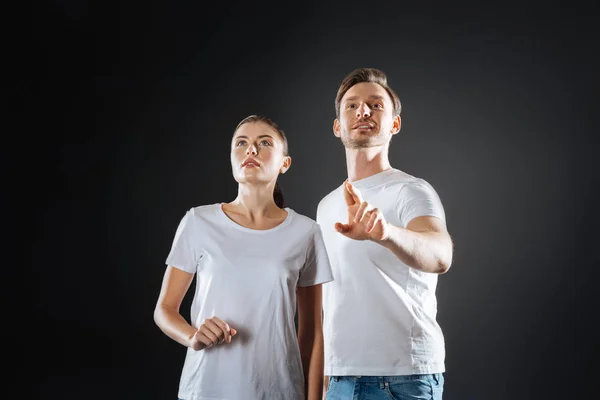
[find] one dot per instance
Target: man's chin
(363, 143)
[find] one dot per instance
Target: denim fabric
(409, 387)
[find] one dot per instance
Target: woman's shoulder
(205, 208)
(301, 222)
(204, 211)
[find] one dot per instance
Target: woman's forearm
(310, 339)
(172, 323)
(311, 352)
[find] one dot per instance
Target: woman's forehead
(255, 129)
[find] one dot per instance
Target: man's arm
(424, 245)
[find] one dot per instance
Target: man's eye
(377, 105)
(351, 105)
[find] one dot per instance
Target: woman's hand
(212, 332)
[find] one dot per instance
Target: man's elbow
(444, 262)
(443, 266)
(445, 259)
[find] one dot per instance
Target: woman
(254, 260)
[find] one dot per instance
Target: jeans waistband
(384, 379)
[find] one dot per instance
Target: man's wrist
(386, 241)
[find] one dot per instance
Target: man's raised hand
(364, 221)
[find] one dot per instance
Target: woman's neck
(254, 208)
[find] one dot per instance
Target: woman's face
(257, 154)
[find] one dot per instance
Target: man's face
(366, 117)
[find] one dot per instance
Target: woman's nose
(251, 150)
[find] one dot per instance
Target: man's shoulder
(400, 177)
(330, 198)
(406, 180)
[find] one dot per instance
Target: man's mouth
(363, 125)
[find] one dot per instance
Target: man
(385, 233)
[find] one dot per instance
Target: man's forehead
(366, 90)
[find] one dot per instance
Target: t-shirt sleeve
(316, 268)
(183, 254)
(319, 216)
(417, 200)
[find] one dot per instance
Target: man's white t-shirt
(248, 278)
(379, 313)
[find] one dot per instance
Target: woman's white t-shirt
(248, 278)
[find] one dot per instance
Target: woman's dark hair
(277, 193)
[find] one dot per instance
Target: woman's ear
(287, 162)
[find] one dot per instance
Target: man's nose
(363, 111)
(251, 150)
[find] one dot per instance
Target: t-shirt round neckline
(373, 180)
(231, 222)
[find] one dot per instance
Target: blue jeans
(401, 387)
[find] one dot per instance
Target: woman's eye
(377, 106)
(265, 143)
(240, 143)
(351, 105)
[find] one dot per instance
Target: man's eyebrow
(373, 96)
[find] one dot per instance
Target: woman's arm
(310, 339)
(175, 284)
(211, 332)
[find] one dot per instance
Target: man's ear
(287, 162)
(396, 124)
(337, 128)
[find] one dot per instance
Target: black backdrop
(137, 103)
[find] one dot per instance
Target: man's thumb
(341, 228)
(233, 332)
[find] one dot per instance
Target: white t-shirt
(379, 313)
(247, 278)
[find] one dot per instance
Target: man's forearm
(427, 251)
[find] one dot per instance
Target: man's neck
(362, 163)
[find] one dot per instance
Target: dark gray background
(138, 102)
